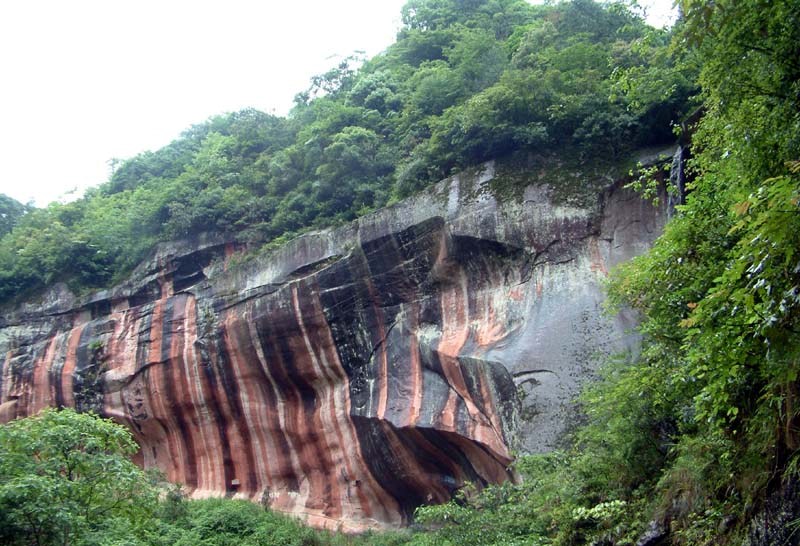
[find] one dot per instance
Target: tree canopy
(466, 81)
(64, 475)
(11, 211)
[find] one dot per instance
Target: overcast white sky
(85, 81)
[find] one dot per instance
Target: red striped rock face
(352, 375)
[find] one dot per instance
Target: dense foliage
(693, 433)
(466, 81)
(66, 478)
(63, 475)
(11, 211)
(721, 290)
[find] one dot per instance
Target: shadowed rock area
(354, 373)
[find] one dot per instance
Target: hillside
(397, 289)
(466, 81)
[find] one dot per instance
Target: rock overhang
(356, 372)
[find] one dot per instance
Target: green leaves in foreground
(64, 474)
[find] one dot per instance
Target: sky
(86, 81)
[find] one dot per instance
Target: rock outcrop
(354, 373)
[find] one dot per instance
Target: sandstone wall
(354, 373)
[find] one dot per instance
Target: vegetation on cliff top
(466, 81)
(702, 427)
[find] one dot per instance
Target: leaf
(688, 322)
(741, 208)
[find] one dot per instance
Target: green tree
(478, 58)
(63, 474)
(466, 81)
(719, 291)
(435, 87)
(376, 91)
(11, 211)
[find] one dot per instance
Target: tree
(720, 290)
(63, 474)
(11, 211)
(466, 81)
(478, 58)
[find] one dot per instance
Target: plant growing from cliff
(719, 291)
(64, 475)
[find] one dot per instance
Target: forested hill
(695, 440)
(466, 81)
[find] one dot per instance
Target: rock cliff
(353, 373)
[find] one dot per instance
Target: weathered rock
(354, 373)
(776, 522)
(656, 534)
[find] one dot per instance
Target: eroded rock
(354, 373)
